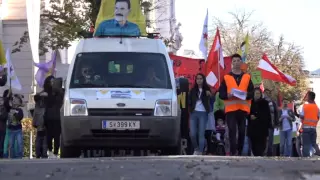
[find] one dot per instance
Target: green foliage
(27, 128)
(285, 55)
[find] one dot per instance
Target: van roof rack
(149, 36)
(153, 35)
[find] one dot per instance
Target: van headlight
(163, 108)
(78, 107)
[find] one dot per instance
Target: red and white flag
(271, 72)
(215, 64)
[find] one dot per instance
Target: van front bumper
(87, 132)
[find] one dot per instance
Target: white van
(120, 93)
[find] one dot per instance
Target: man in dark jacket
(38, 122)
(236, 109)
(53, 100)
(274, 120)
(4, 109)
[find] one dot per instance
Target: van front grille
(119, 112)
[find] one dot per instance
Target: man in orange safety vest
(309, 119)
(236, 90)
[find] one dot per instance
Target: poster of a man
(119, 25)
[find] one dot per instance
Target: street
(161, 168)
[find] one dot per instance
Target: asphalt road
(161, 168)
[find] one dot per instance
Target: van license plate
(121, 125)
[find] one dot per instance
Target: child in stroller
(215, 140)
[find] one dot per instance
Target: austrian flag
(271, 72)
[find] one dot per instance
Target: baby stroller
(216, 145)
(216, 139)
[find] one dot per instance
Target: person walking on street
(286, 119)
(199, 101)
(309, 117)
(259, 123)
(234, 85)
(4, 109)
(38, 123)
(274, 120)
(53, 100)
(15, 117)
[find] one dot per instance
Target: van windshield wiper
(88, 85)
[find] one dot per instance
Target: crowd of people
(246, 114)
(46, 119)
(238, 119)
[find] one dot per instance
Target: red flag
(271, 72)
(215, 64)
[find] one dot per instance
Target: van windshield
(120, 69)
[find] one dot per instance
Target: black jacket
(259, 127)
(223, 91)
(193, 97)
(4, 110)
(53, 103)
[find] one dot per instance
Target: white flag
(203, 46)
(12, 77)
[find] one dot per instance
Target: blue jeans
(15, 136)
(270, 142)
(286, 143)
(309, 138)
(246, 151)
(198, 123)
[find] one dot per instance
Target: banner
(256, 77)
(187, 67)
(120, 17)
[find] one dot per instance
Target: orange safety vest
(235, 104)
(311, 115)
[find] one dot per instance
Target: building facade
(13, 23)
(163, 20)
(314, 85)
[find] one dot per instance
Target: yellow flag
(3, 59)
(244, 48)
(107, 12)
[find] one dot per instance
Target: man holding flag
(236, 90)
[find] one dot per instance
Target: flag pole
(219, 75)
(9, 74)
(219, 68)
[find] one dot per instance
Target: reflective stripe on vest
(311, 112)
(237, 104)
(232, 102)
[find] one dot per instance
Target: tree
(286, 56)
(64, 21)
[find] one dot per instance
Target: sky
(295, 19)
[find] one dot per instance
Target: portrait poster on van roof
(120, 18)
